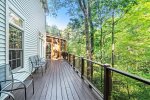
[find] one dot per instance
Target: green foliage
(132, 47)
(53, 30)
(132, 43)
(132, 38)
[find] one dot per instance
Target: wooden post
(52, 45)
(69, 58)
(82, 67)
(65, 45)
(60, 46)
(91, 68)
(107, 83)
(66, 55)
(74, 61)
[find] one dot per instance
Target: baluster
(69, 58)
(91, 68)
(74, 61)
(82, 67)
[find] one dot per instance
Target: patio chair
(34, 63)
(41, 62)
(4, 95)
(13, 84)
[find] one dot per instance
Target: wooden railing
(99, 77)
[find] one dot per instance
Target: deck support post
(82, 67)
(74, 61)
(69, 58)
(107, 82)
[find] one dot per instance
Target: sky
(61, 20)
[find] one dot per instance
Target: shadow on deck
(60, 82)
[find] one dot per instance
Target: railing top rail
(135, 77)
(146, 81)
(94, 62)
(88, 60)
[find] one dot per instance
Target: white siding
(34, 16)
(2, 31)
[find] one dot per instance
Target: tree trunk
(101, 44)
(91, 39)
(113, 44)
(85, 9)
(87, 37)
(88, 54)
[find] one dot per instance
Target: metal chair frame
(41, 62)
(35, 64)
(11, 82)
(7, 93)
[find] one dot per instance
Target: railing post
(82, 67)
(91, 65)
(69, 58)
(107, 82)
(74, 61)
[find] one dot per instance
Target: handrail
(94, 62)
(89, 60)
(107, 69)
(146, 81)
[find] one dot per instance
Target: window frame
(18, 49)
(9, 6)
(17, 26)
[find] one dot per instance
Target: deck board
(60, 82)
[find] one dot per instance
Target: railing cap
(106, 65)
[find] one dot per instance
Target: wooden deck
(60, 82)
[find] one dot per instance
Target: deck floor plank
(59, 89)
(72, 88)
(50, 85)
(67, 87)
(63, 86)
(79, 82)
(74, 81)
(82, 94)
(60, 82)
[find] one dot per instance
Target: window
(15, 19)
(15, 47)
(15, 40)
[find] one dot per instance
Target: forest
(116, 32)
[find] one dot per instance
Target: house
(22, 32)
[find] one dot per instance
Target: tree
(120, 24)
(53, 30)
(85, 9)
